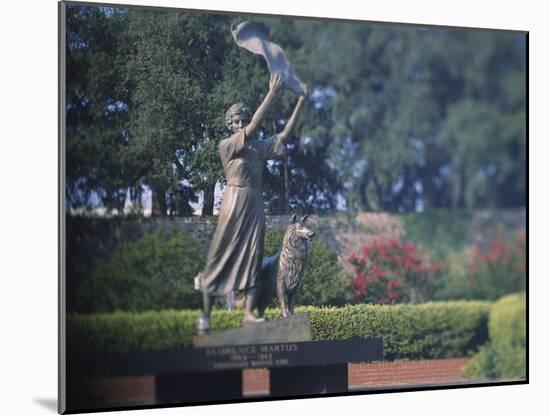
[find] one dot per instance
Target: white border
(28, 213)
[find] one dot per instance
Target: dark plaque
(273, 355)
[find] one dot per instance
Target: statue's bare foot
(203, 324)
(251, 318)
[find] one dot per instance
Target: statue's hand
(306, 92)
(275, 83)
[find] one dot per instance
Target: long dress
(235, 255)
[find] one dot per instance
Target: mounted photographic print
(271, 207)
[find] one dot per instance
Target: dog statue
(281, 274)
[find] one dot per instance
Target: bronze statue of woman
(235, 255)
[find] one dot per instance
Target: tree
(399, 118)
(174, 65)
(304, 179)
(96, 109)
(398, 99)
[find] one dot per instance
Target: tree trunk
(208, 202)
(158, 198)
(462, 194)
(429, 192)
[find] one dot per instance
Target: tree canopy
(400, 118)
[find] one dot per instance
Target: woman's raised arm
(290, 124)
(275, 84)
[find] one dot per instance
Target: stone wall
(342, 232)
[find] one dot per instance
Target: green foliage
(488, 270)
(97, 113)
(398, 118)
(324, 284)
(174, 67)
(507, 332)
(493, 266)
(404, 100)
(110, 270)
(482, 364)
(504, 357)
(87, 240)
(442, 231)
(152, 273)
(431, 330)
(499, 268)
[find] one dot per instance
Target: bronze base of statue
(295, 328)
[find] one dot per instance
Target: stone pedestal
(212, 370)
(292, 329)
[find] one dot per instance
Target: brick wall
(256, 382)
(140, 390)
(376, 374)
(415, 372)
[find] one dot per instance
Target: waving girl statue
(237, 247)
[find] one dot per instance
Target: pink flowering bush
(388, 271)
(498, 268)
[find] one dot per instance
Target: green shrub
(87, 240)
(498, 268)
(484, 251)
(431, 330)
(482, 364)
(152, 273)
(440, 230)
(504, 357)
(323, 284)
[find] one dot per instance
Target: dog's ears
(304, 219)
(293, 219)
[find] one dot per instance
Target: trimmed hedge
(505, 356)
(422, 331)
(431, 330)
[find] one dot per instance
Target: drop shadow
(48, 403)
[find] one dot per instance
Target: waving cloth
(253, 37)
